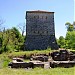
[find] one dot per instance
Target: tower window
(46, 17)
(53, 17)
(42, 17)
(38, 17)
(47, 32)
(34, 16)
(34, 32)
(38, 32)
(42, 31)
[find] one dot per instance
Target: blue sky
(13, 12)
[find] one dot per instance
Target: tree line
(68, 41)
(13, 40)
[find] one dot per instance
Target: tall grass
(4, 70)
(38, 71)
(5, 58)
(28, 53)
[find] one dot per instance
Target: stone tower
(40, 32)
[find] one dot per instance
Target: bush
(4, 60)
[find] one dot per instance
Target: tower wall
(40, 32)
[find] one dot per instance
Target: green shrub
(4, 60)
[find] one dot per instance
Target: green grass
(5, 58)
(4, 70)
(38, 71)
(28, 53)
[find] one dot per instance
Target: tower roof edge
(39, 11)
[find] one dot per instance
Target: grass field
(4, 70)
(38, 71)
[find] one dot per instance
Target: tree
(1, 39)
(22, 27)
(70, 40)
(70, 27)
(19, 39)
(70, 35)
(61, 42)
(1, 23)
(1, 34)
(11, 40)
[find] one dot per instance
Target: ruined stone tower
(40, 32)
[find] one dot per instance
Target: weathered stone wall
(40, 23)
(40, 31)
